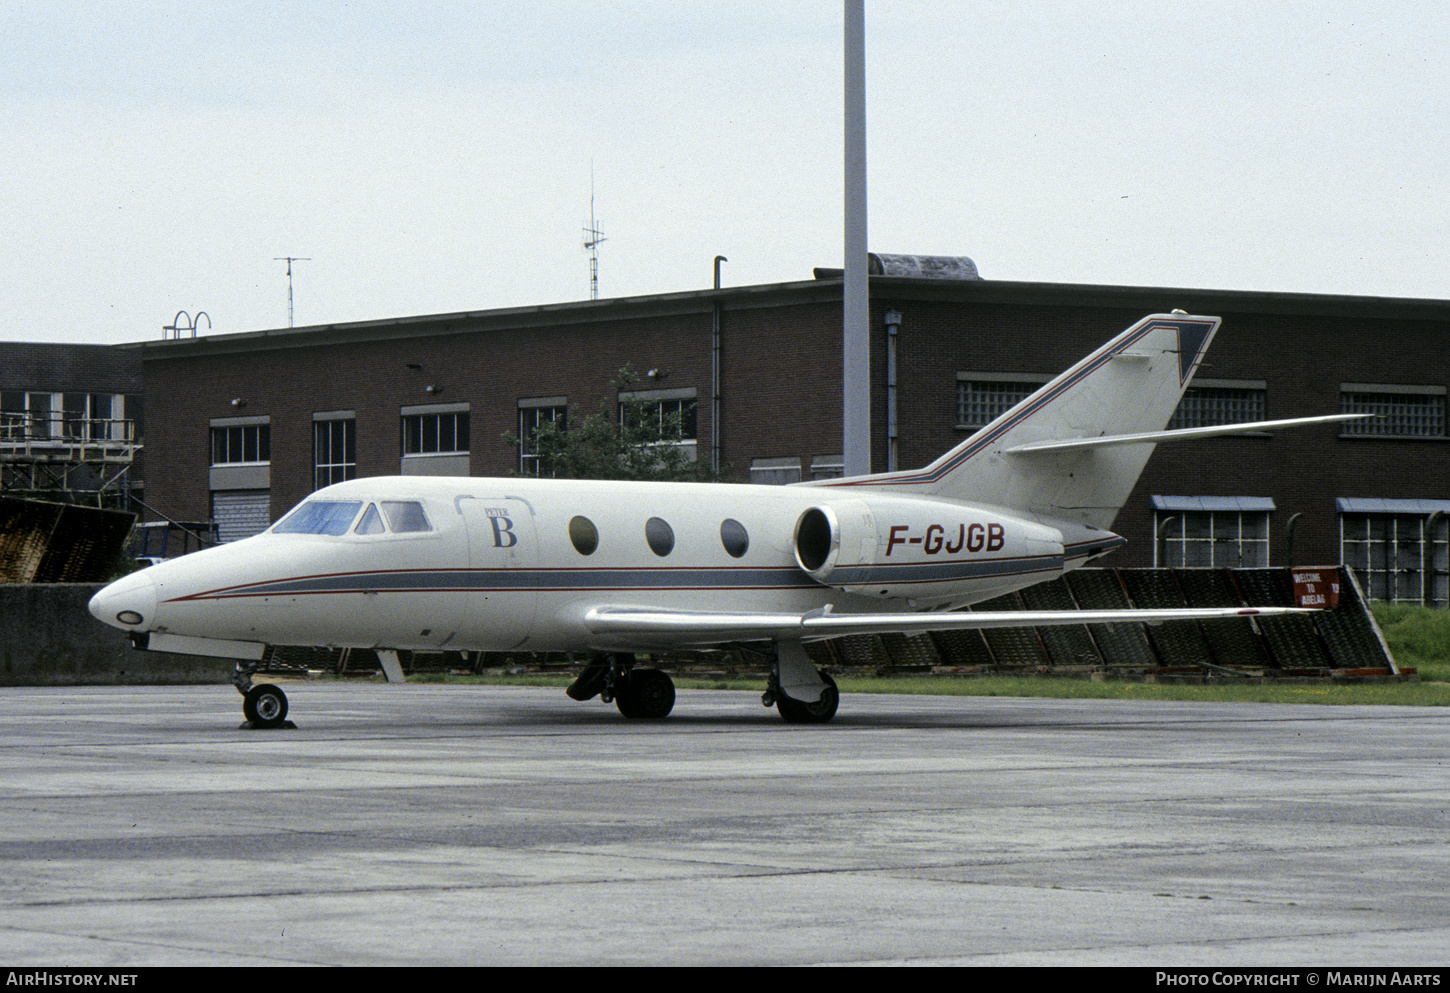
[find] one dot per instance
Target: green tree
(644, 444)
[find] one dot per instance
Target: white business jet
(611, 569)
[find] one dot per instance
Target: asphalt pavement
(435, 825)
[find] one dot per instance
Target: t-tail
(1071, 451)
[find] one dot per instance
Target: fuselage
(515, 564)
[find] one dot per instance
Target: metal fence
(1343, 640)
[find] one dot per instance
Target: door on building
(241, 513)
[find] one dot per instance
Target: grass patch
(1419, 637)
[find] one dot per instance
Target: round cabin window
(734, 538)
(660, 535)
(584, 535)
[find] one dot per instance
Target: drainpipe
(715, 373)
(893, 325)
(1160, 549)
(1289, 538)
(1427, 559)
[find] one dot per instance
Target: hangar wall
(49, 638)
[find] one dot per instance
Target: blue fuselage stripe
(617, 580)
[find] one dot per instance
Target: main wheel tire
(816, 712)
(265, 705)
(646, 693)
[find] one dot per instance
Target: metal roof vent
(912, 266)
(922, 266)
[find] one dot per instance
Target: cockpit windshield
(371, 523)
(405, 516)
(334, 517)
(319, 517)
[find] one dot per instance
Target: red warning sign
(1316, 586)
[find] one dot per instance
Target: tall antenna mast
(592, 238)
(289, 259)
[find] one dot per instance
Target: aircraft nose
(129, 603)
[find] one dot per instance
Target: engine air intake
(815, 537)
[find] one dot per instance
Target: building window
(674, 419)
(1213, 402)
(240, 478)
(776, 472)
(334, 449)
(1399, 549)
(442, 433)
(668, 413)
(1400, 411)
(21, 416)
(241, 444)
(828, 466)
(984, 397)
(100, 419)
(91, 417)
(534, 414)
(12, 416)
(30, 416)
(1211, 532)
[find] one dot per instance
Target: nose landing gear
(263, 705)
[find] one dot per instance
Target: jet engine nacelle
(932, 551)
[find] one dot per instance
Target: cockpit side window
(319, 517)
(371, 523)
(405, 516)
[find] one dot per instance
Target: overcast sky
(433, 157)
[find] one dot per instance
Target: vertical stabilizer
(1130, 385)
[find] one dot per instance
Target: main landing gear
(818, 711)
(264, 704)
(639, 693)
(801, 693)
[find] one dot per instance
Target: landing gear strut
(801, 693)
(264, 705)
(638, 693)
(817, 712)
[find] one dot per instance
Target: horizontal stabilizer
(679, 627)
(1181, 434)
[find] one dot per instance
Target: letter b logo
(503, 532)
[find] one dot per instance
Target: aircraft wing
(1180, 434)
(684, 628)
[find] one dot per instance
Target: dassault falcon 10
(611, 569)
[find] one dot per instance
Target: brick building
(249, 424)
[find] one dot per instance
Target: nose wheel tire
(265, 706)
